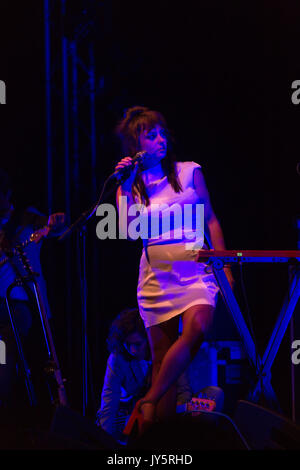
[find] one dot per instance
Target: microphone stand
(80, 225)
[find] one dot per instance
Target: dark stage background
(222, 74)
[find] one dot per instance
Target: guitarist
(16, 227)
(128, 373)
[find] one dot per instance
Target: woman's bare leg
(161, 337)
(195, 323)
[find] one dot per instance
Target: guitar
(35, 237)
(196, 405)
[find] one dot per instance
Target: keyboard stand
(262, 366)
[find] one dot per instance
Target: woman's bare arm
(214, 227)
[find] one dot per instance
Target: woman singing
(172, 284)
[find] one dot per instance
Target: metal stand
(80, 226)
(52, 364)
(71, 129)
(23, 362)
(262, 365)
(81, 250)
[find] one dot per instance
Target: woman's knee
(198, 321)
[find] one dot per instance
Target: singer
(171, 283)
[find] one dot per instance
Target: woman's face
(154, 142)
(136, 345)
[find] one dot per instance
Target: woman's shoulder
(185, 171)
(186, 166)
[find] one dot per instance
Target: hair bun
(130, 113)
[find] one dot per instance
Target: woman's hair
(136, 120)
(126, 323)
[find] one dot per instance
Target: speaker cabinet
(79, 431)
(201, 431)
(265, 429)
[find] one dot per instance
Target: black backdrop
(222, 75)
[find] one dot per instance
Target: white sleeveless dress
(170, 280)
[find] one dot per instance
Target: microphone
(124, 173)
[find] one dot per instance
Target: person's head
(144, 129)
(136, 124)
(127, 335)
(5, 194)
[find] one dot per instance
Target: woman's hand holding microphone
(123, 164)
(129, 162)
